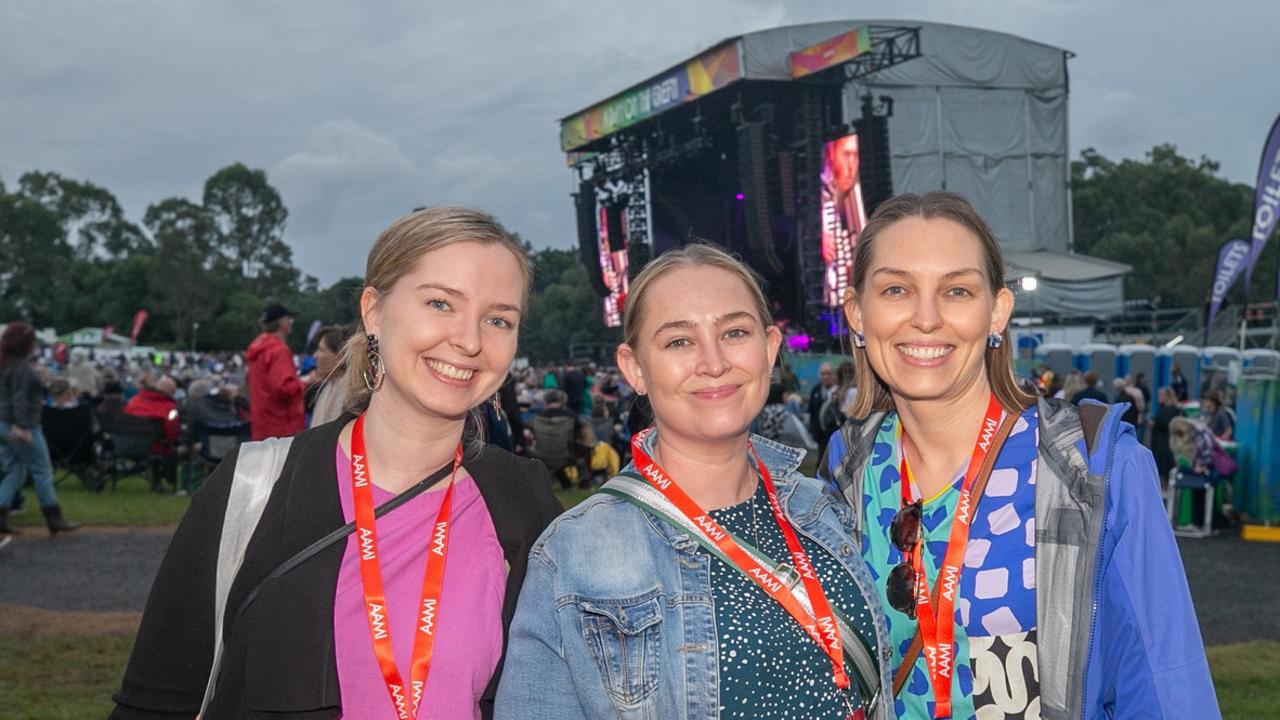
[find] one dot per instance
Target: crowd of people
(973, 543)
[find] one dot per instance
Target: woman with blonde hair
(1019, 543)
(709, 579)
(411, 607)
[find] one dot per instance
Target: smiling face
(447, 328)
(702, 355)
(926, 309)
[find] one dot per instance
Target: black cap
(274, 312)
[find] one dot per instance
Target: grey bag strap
(258, 467)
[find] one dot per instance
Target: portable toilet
(1134, 359)
(1187, 358)
(1099, 358)
(1261, 362)
(1057, 356)
(1219, 368)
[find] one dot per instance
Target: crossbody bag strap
(298, 558)
(258, 465)
(635, 490)
(979, 487)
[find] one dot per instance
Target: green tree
(1166, 216)
(91, 218)
(250, 216)
(562, 313)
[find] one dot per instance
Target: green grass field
(70, 675)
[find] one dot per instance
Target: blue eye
(677, 343)
(501, 322)
(736, 333)
(438, 304)
(895, 291)
(960, 292)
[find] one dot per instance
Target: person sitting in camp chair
(155, 400)
(71, 432)
(555, 433)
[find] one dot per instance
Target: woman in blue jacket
(709, 579)
(1019, 545)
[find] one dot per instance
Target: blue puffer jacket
(1117, 633)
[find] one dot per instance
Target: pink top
(469, 625)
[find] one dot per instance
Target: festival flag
(139, 318)
(1266, 202)
(1233, 258)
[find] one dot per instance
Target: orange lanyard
(821, 625)
(375, 597)
(938, 631)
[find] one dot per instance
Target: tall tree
(250, 216)
(1166, 216)
(91, 218)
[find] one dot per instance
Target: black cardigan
(278, 659)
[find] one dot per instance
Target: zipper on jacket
(1097, 569)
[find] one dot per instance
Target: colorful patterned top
(996, 675)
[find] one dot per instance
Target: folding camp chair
(128, 447)
(73, 444)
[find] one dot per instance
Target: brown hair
(698, 254)
(395, 253)
(873, 395)
(16, 343)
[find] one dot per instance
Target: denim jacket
(616, 618)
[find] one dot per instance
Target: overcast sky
(361, 111)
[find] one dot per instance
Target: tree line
(70, 258)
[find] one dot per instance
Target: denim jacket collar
(781, 460)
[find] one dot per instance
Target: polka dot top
(769, 668)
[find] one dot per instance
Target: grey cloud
(361, 112)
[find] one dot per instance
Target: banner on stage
(843, 215)
(684, 83)
(831, 52)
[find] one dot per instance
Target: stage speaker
(753, 179)
(873, 156)
(787, 183)
(588, 235)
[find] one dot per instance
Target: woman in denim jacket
(626, 614)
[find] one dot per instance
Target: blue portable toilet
(1058, 356)
(1261, 362)
(1187, 358)
(1100, 358)
(1219, 368)
(1133, 359)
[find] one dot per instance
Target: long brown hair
(873, 394)
(16, 343)
(395, 253)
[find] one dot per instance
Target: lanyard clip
(788, 575)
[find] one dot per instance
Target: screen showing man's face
(844, 162)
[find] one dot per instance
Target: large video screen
(843, 215)
(613, 268)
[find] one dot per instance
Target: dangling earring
(374, 366)
(496, 404)
(995, 340)
(859, 340)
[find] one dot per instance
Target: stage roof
(1068, 267)
(954, 56)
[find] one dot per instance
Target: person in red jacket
(155, 400)
(275, 390)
